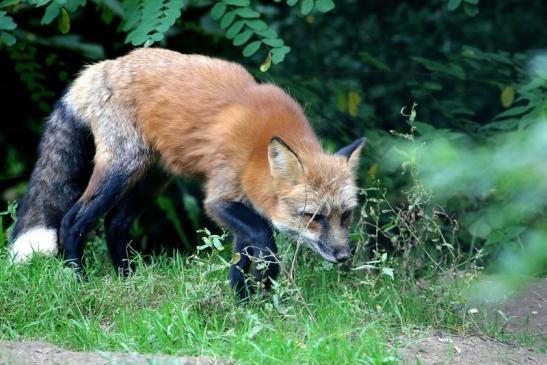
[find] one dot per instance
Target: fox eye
(346, 217)
(314, 217)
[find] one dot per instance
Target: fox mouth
(335, 255)
(317, 246)
(321, 250)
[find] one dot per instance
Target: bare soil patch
(442, 348)
(521, 313)
(525, 312)
(40, 353)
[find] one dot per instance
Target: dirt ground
(40, 353)
(443, 348)
(524, 313)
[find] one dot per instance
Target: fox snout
(335, 253)
(341, 254)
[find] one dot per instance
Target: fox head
(316, 196)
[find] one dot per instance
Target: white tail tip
(39, 239)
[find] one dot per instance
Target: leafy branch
(147, 21)
(245, 29)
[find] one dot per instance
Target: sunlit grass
(185, 306)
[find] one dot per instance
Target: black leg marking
(118, 221)
(84, 215)
(240, 269)
(254, 242)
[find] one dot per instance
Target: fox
(124, 126)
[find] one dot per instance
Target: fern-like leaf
(147, 21)
(244, 26)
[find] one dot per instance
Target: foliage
(147, 22)
(463, 179)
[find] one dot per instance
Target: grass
(184, 306)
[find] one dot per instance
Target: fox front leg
(254, 241)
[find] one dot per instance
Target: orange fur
(208, 117)
(197, 112)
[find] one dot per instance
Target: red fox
(123, 122)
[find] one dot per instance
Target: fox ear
(284, 163)
(352, 152)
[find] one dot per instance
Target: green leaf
(6, 22)
(292, 2)
(433, 86)
(114, 6)
(234, 29)
(218, 10)
(388, 272)
(52, 11)
(373, 61)
(257, 25)
(216, 242)
(72, 5)
(247, 13)
(64, 21)
(8, 38)
(281, 50)
(267, 33)
(167, 206)
(471, 10)
(517, 110)
(131, 14)
(238, 2)
(278, 54)
(39, 3)
(251, 48)
(273, 42)
(454, 4)
(242, 38)
(227, 19)
(235, 258)
(6, 3)
(306, 7)
(265, 66)
(324, 6)
(507, 96)
(474, 2)
(455, 70)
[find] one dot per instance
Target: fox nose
(341, 255)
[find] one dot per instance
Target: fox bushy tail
(65, 156)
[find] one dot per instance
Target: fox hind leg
(118, 221)
(84, 214)
(121, 159)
